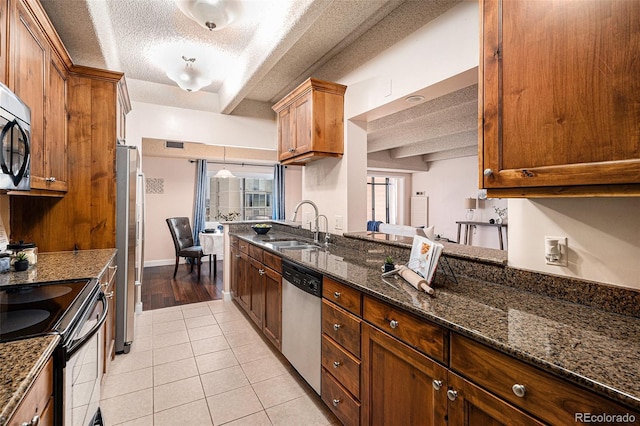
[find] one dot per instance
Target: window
(247, 197)
(382, 198)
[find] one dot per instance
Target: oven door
(81, 375)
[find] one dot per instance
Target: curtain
(278, 192)
(199, 203)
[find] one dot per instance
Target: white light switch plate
(338, 222)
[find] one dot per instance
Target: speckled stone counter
(20, 363)
(64, 265)
(591, 347)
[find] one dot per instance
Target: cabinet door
(56, 126)
(30, 52)
(273, 307)
(255, 280)
(244, 294)
(470, 405)
(235, 271)
(4, 19)
(559, 94)
(303, 124)
(400, 385)
(286, 142)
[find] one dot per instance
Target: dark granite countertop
(20, 363)
(63, 265)
(591, 347)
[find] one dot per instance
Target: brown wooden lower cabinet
(401, 386)
(244, 292)
(272, 324)
(255, 283)
(38, 402)
(470, 405)
(341, 402)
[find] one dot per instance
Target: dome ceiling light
(210, 14)
(189, 78)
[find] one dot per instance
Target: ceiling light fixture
(189, 78)
(414, 99)
(224, 173)
(210, 14)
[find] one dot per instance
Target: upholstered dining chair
(183, 242)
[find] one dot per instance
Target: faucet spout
(326, 234)
(315, 209)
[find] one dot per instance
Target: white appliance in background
(419, 211)
(140, 216)
(127, 164)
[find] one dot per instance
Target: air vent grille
(174, 145)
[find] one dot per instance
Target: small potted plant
(22, 262)
(388, 264)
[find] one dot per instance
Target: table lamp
(470, 205)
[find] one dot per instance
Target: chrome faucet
(326, 234)
(315, 208)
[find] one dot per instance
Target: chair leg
(199, 265)
(192, 261)
(215, 264)
(210, 265)
(176, 268)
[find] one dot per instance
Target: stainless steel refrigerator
(127, 164)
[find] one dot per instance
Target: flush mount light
(210, 14)
(414, 99)
(188, 77)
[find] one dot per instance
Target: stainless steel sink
(292, 244)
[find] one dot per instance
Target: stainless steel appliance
(76, 310)
(301, 320)
(127, 164)
(15, 153)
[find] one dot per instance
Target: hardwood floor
(160, 290)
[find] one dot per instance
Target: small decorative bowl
(261, 229)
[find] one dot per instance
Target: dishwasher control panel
(303, 278)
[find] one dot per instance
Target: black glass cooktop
(33, 310)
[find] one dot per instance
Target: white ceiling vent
(174, 145)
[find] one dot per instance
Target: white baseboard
(226, 295)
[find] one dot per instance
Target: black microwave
(15, 149)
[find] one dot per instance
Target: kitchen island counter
(591, 347)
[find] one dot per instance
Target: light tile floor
(205, 364)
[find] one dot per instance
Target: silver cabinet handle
(393, 324)
(452, 394)
(488, 172)
(336, 402)
(336, 364)
(50, 179)
(519, 390)
(237, 255)
(437, 384)
(336, 327)
(336, 294)
(291, 150)
(35, 421)
(114, 267)
(109, 295)
(261, 271)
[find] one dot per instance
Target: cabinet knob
(261, 271)
(488, 172)
(109, 295)
(291, 150)
(519, 390)
(452, 394)
(50, 179)
(336, 364)
(336, 402)
(336, 294)
(336, 327)
(393, 324)
(437, 384)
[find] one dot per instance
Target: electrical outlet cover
(564, 251)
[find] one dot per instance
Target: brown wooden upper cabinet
(39, 77)
(558, 98)
(311, 122)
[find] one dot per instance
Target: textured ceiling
(268, 51)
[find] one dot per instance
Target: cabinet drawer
(545, 396)
(272, 261)
(255, 252)
(233, 241)
(342, 295)
(418, 333)
(341, 365)
(37, 398)
(243, 246)
(343, 405)
(341, 326)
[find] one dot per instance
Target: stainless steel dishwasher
(301, 316)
